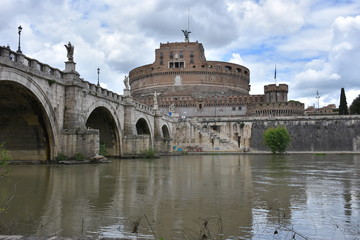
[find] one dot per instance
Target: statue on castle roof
(70, 51)
(186, 34)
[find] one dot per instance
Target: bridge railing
(102, 92)
(143, 107)
(7, 53)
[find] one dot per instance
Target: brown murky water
(220, 196)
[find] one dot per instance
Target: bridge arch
(28, 120)
(143, 127)
(165, 132)
(102, 116)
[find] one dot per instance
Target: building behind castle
(182, 82)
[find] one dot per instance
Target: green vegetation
(79, 157)
(343, 107)
(355, 106)
(4, 160)
(102, 150)
(277, 139)
(61, 157)
(51, 82)
(150, 153)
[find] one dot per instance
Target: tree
(355, 106)
(343, 108)
(277, 139)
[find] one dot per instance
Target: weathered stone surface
(47, 112)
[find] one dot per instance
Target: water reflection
(240, 196)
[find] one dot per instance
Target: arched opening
(24, 124)
(165, 132)
(101, 119)
(142, 128)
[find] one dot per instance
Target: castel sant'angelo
(181, 82)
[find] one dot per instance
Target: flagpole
(275, 75)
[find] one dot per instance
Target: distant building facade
(327, 110)
(182, 82)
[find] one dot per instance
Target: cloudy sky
(314, 43)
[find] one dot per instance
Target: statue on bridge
(70, 51)
(156, 98)
(172, 108)
(126, 83)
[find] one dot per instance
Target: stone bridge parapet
(56, 112)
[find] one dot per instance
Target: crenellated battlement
(276, 88)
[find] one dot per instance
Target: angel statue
(155, 98)
(186, 34)
(126, 82)
(70, 51)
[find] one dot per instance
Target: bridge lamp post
(19, 32)
(98, 71)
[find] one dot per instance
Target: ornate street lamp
(98, 70)
(19, 32)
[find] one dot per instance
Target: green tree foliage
(343, 107)
(355, 106)
(277, 139)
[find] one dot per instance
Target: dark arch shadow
(101, 119)
(165, 132)
(24, 124)
(142, 127)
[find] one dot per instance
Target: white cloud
(313, 42)
(340, 69)
(236, 58)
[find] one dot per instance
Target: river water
(184, 197)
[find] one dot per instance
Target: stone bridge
(46, 112)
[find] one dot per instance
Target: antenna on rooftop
(187, 31)
(188, 28)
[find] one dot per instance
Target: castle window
(191, 54)
(191, 59)
(176, 64)
(181, 55)
(233, 108)
(238, 70)
(240, 108)
(228, 68)
(161, 55)
(171, 55)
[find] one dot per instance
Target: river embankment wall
(315, 133)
